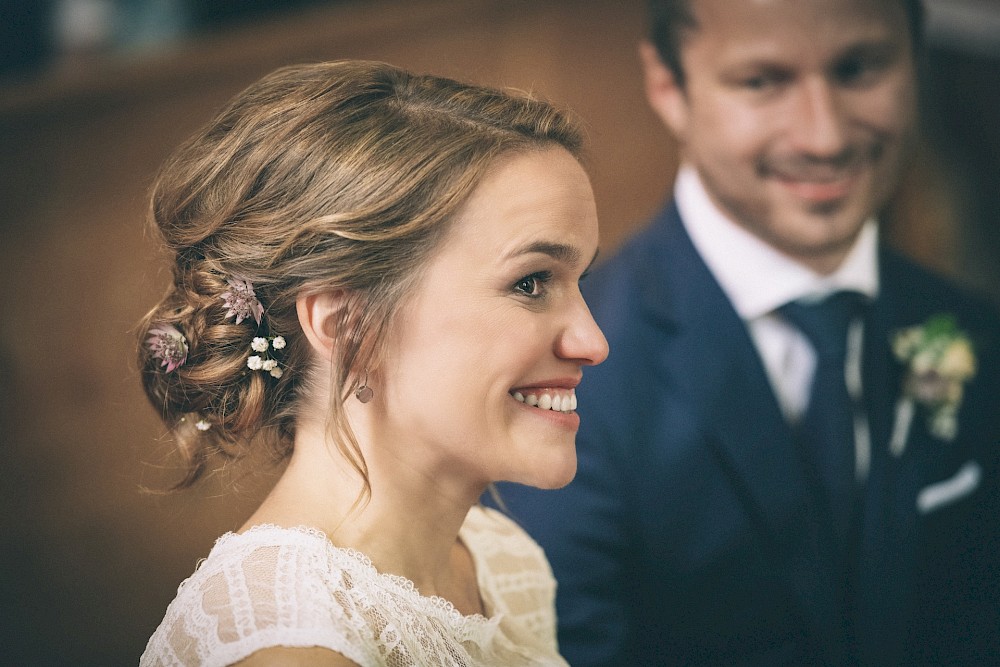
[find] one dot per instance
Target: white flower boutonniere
(941, 360)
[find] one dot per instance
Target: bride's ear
(318, 316)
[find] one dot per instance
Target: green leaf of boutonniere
(940, 359)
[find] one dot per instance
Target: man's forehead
(721, 13)
(786, 21)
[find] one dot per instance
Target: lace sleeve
(291, 587)
(256, 596)
(514, 575)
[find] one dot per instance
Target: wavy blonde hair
(333, 176)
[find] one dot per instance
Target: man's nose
(818, 120)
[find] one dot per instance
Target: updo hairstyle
(332, 176)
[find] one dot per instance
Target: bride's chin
(556, 475)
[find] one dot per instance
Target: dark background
(93, 96)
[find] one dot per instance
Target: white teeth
(563, 401)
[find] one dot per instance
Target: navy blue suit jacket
(694, 533)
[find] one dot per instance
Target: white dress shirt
(758, 279)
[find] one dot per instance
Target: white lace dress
(272, 586)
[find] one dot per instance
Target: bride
(376, 275)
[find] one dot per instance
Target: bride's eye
(532, 285)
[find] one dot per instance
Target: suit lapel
(730, 389)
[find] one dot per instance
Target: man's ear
(665, 94)
(318, 317)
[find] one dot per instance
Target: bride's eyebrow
(559, 251)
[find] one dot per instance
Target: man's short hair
(669, 20)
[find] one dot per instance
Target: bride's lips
(555, 400)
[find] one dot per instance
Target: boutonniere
(940, 360)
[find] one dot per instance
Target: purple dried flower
(168, 344)
(242, 301)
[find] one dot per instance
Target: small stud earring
(364, 393)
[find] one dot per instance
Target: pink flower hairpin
(242, 301)
(169, 345)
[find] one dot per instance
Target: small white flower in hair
(263, 361)
(202, 424)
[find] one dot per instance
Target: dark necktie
(826, 430)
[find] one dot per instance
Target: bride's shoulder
(488, 526)
(259, 554)
(500, 547)
(514, 575)
(263, 587)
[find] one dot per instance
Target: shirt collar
(756, 277)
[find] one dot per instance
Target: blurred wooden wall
(88, 562)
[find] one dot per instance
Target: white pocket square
(950, 490)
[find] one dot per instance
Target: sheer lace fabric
(274, 586)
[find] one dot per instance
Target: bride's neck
(408, 526)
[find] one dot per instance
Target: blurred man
(790, 456)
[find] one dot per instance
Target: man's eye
(756, 82)
(858, 71)
(764, 81)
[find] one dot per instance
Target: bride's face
(496, 319)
